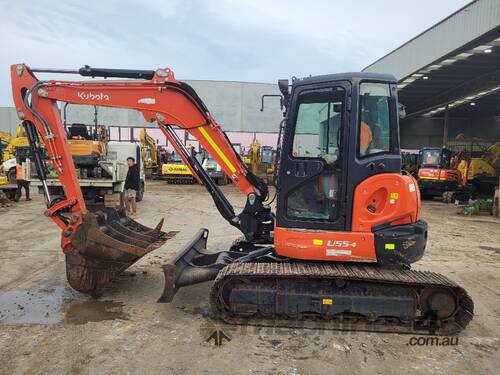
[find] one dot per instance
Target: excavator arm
(161, 99)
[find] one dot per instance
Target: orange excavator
(436, 174)
(335, 254)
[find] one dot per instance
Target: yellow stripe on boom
(218, 150)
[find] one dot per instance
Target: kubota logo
(92, 96)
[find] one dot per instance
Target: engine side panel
(382, 203)
(385, 199)
(325, 245)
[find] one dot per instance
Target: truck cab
(120, 151)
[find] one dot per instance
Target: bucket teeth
(106, 244)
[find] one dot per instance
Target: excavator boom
(100, 245)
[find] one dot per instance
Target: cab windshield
(318, 124)
(435, 158)
(174, 156)
(267, 156)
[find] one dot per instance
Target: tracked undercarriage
(254, 286)
(340, 296)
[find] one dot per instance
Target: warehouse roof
(455, 63)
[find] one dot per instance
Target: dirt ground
(47, 328)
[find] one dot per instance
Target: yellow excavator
(5, 139)
(477, 174)
(87, 149)
(260, 160)
(252, 158)
(481, 170)
(149, 153)
(87, 144)
(11, 148)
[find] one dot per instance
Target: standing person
(21, 183)
(132, 186)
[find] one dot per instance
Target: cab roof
(351, 76)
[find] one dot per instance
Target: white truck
(9, 168)
(109, 186)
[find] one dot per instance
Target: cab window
(374, 130)
(318, 133)
(318, 124)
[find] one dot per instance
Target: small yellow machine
(12, 147)
(260, 160)
(149, 153)
(175, 171)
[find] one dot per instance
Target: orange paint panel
(428, 173)
(384, 198)
(325, 245)
(56, 145)
(449, 175)
(440, 174)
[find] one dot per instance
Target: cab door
(373, 137)
(312, 169)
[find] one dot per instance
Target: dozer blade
(106, 244)
(194, 264)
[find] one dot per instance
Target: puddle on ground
(81, 312)
(55, 305)
(41, 306)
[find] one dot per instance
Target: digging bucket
(107, 243)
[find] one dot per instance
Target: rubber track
(180, 180)
(417, 279)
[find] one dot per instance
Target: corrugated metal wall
(460, 28)
(234, 105)
(8, 120)
(428, 132)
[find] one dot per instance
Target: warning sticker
(327, 301)
(318, 242)
(390, 246)
(394, 195)
(338, 252)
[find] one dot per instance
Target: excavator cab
(435, 157)
(332, 142)
(339, 172)
(79, 131)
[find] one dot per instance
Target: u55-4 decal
(339, 243)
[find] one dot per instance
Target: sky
(244, 40)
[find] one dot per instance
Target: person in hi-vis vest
(21, 183)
